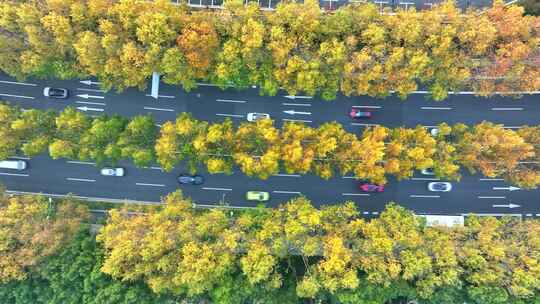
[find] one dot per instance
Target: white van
(13, 164)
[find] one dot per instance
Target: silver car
(439, 187)
(55, 93)
(257, 116)
(112, 171)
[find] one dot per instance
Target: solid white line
(352, 177)
(91, 103)
(230, 115)
(507, 109)
(80, 179)
(151, 185)
(513, 127)
(296, 120)
(156, 168)
(492, 214)
(87, 198)
(163, 96)
(233, 101)
(158, 109)
(426, 196)
(425, 178)
(80, 162)
(17, 96)
(91, 90)
(354, 194)
(13, 174)
(435, 108)
(20, 157)
(19, 83)
(216, 189)
(499, 197)
(528, 214)
(363, 124)
(430, 126)
(158, 125)
(287, 192)
(491, 179)
(287, 175)
(296, 104)
(528, 162)
(368, 107)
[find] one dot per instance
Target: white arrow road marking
(368, 107)
(293, 112)
(507, 109)
(494, 197)
(150, 185)
(159, 109)
(91, 103)
(17, 96)
(296, 104)
(216, 189)
(435, 108)
(355, 194)
(89, 82)
(230, 115)
(91, 90)
(81, 179)
(85, 108)
(19, 83)
(86, 96)
(14, 174)
(298, 97)
(425, 196)
(230, 100)
(511, 188)
(296, 120)
(287, 192)
(507, 206)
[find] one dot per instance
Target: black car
(186, 179)
(55, 93)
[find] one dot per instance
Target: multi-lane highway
(472, 194)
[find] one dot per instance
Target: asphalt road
(472, 194)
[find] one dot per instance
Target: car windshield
(56, 92)
(440, 186)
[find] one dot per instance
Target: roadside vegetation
(260, 150)
(354, 50)
(283, 255)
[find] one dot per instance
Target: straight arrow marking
(86, 96)
(511, 188)
(293, 112)
(85, 108)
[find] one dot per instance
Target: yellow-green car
(259, 196)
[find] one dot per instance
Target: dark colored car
(372, 188)
(55, 93)
(356, 113)
(187, 179)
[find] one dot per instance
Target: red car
(372, 188)
(356, 113)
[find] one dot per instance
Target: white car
(434, 131)
(428, 171)
(112, 171)
(439, 187)
(257, 116)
